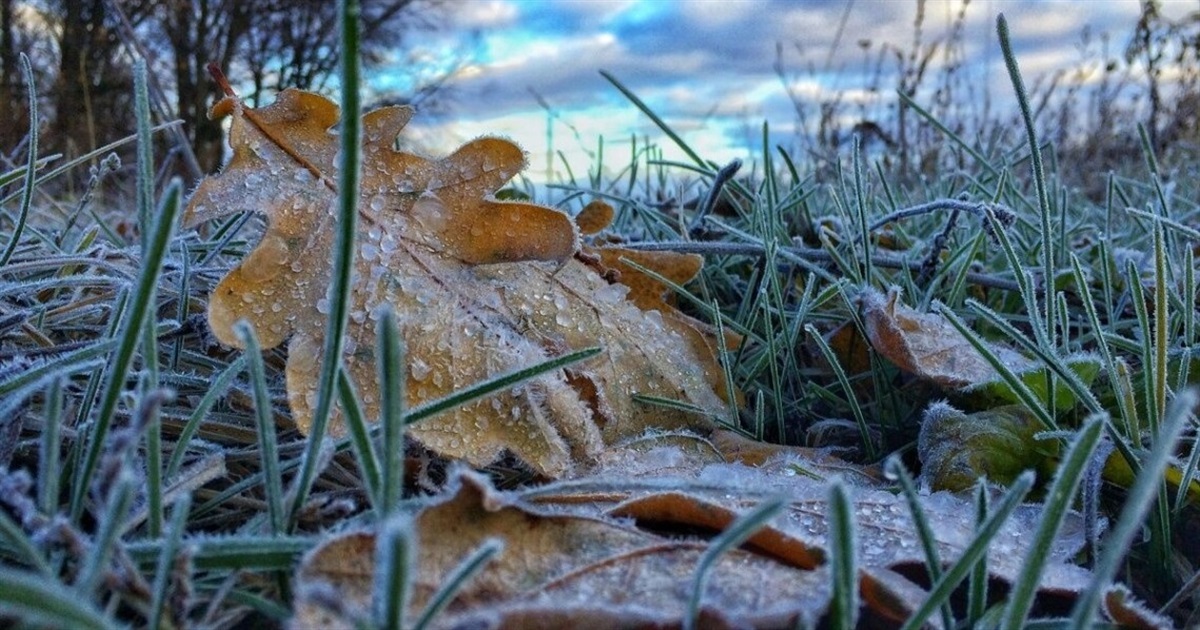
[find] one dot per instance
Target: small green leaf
(1085, 366)
(957, 448)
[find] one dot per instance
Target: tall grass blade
(933, 561)
(392, 378)
(349, 161)
(843, 559)
(268, 447)
(137, 310)
(944, 588)
(1058, 502)
(659, 122)
(1039, 181)
(30, 165)
(1145, 489)
(395, 556)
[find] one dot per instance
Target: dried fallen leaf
(480, 288)
(926, 345)
(621, 551)
(560, 566)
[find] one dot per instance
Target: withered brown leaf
(927, 345)
(480, 287)
(622, 552)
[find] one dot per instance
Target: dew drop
(611, 294)
(387, 245)
(419, 369)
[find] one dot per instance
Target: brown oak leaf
(927, 345)
(480, 287)
(622, 551)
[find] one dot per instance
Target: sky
(530, 69)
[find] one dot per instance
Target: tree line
(82, 53)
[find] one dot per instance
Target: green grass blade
(360, 440)
(495, 384)
(977, 585)
(843, 559)
(30, 165)
(392, 379)
(1141, 494)
(395, 556)
(860, 215)
(1020, 389)
(737, 533)
(1039, 180)
(268, 445)
(136, 312)
(20, 546)
(112, 520)
(860, 418)
(349, 162)
(659, 122)
(219, 386)
(1048, 357)
(933, 561)
(50, 447)
(145, 149)
(170, 547)
(248, 553)
(944, 588)
(45, 602)
(1055, 508)
(456, 579)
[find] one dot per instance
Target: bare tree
(262, 45)
(10, 82)
(269, 45)
(92, 93)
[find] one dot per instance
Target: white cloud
(483, 14)
(706, 66)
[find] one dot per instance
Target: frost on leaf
(481, 287)
(927, 345)
(621, 551)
